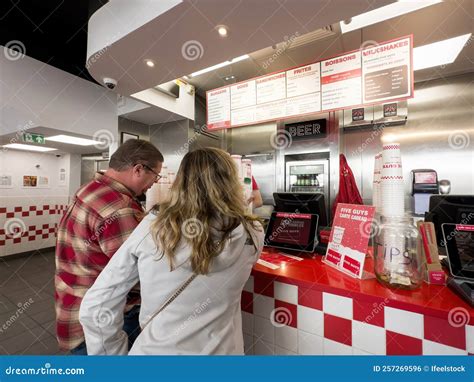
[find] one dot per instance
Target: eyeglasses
(157, 176)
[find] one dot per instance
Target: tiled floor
(27, 317)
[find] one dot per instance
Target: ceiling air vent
(298, 40)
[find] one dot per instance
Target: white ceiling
(253, 25)
(62, 148)
(152, 115)
(438, 22)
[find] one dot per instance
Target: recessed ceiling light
(221, 65)
(222, 30)
(19, 146)
(439, 53)
(73, 140)
(387, 12)
(150, 63)
(228, 78)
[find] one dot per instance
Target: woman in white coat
(201, 240)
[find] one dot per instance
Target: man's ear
(136, 170)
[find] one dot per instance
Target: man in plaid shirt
(102, 215)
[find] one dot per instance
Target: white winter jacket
(204, 319)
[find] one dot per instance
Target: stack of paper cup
(376, 183)
(247, 183)
(238, 161)
(392, 186)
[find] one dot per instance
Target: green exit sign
(33, 138)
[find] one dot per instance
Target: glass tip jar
(396, 257)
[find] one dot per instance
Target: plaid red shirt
(101, 217)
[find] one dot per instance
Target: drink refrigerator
(307, 175)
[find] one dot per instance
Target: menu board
(341, 81)
(271, 88)
(218, 108)
(243, 95)
(303, 80)
(386, 70)
(364, 77)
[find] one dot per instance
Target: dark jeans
(131, 326)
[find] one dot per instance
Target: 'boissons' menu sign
(375, 74)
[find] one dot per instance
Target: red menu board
(349, 239)
(375, 74)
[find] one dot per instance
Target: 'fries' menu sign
(349, 240)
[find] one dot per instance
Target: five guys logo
(358, 114)
(390, 110)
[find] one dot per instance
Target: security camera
(58, 155)
(110, 83)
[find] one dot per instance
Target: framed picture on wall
(30, 181)
(128, 136)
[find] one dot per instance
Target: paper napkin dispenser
(424, 184)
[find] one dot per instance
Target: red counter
(310, 308)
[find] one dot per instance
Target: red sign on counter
(349, 240)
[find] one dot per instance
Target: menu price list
(386, 83)
(375, 74)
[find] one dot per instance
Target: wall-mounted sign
(6, 181)
(43, 182)
(390, 110)
(30, 181)
(358, 114)
(33, 138)
(307, 130)
(387, 71)
(368, 76)
(62, 177)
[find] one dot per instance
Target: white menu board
(218, 108)
(386, 71)
(271, 88)
(364, 77)
(305, 104)
(303, 80)
(243, 95)
(341, 81)
(243, 116)
(271, 110)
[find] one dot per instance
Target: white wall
(34, 91)
(439, 135)
(183, 105)
(18, 163)
(35, 211)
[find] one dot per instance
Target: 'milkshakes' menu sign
(375, 74)
(387, 71)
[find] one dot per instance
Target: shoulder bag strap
(171, 299)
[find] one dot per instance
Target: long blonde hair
(206, 192)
